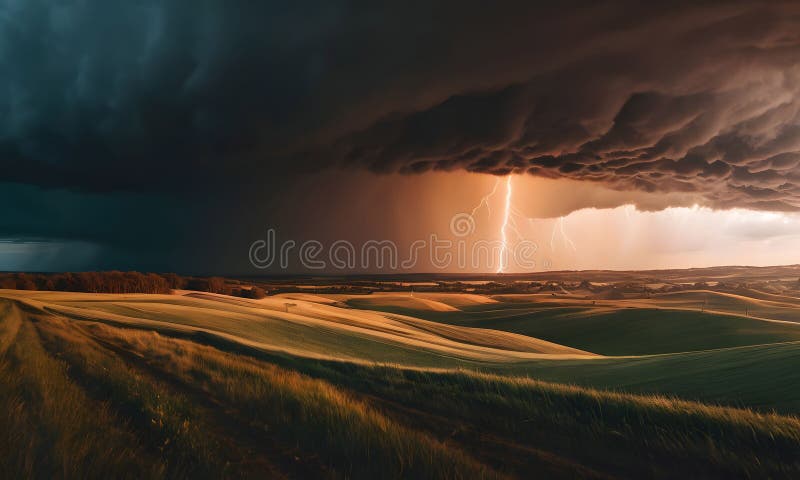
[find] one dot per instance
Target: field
(698, 382)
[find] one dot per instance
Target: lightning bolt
(564, 234)
(504, 239)
(559, 227)
(510, 226)
(485, 200)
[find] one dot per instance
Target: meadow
(398, 385)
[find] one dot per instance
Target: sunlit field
(399, 240)
(398, 385)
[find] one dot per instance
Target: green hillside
(297, 387)
(685, 321)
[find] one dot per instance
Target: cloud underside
(734, 148)
(696, 98)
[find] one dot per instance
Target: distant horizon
(413, 240)
(409, 274)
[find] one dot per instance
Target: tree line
(125, 282)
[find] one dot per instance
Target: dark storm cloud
(209, 97)
(703, 100)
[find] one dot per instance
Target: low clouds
(715, 110)
(202, 100)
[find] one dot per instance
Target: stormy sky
(166, 135)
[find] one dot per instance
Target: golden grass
(623, 433)
(81, 398)
(356, 439)
(168, 422)
(614, 432)
(49, 428)
(10, 322)
(307, 329)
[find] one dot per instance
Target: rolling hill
(430, 386)
(666, 323)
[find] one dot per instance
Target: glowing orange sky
(602, 229)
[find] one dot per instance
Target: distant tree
(64, 282)
(156, 283)
(175, 282)
(216, 285)
(211, 284)
(110, 282)
(197, 284)
(47, 284)
(25, 282)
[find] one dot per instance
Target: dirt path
(10, 321)
(253, 449)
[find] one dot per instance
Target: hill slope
(669, 323)
(303, 328)
(88, 388)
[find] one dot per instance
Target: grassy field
(451, 386)
(666, 323)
